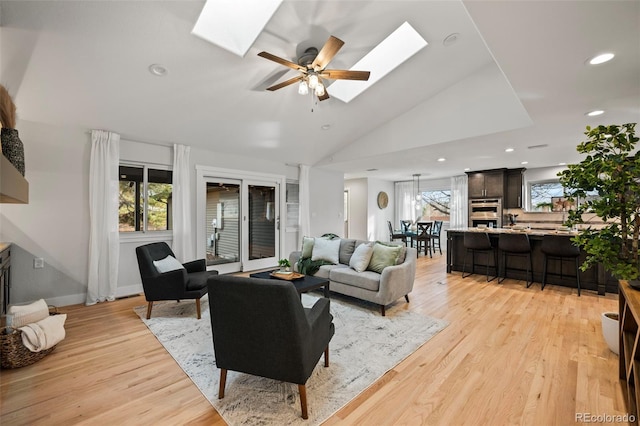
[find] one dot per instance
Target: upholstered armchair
(178, 282)
(261, 328)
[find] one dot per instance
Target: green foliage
(612, 170)
(284, 263)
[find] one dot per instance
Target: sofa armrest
(397, 281)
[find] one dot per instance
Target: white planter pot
(611, 331)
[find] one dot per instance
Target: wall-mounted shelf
(14, 188)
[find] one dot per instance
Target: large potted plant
(611, 170)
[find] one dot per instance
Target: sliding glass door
(241, 229)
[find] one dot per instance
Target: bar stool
(478, 242)
(560, 248)
(515, 245)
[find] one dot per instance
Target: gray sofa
(382, 288)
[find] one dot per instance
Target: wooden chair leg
(303, 400)
(198, 308)
(149, 307)
(326, 356)
(223, 382)
(382, 309)
(406, 296)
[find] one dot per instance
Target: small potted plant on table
(285, 266)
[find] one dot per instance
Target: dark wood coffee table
(302, 285)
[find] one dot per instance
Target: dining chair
(423, 237)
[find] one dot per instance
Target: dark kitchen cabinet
(513, 195)
(486, 184)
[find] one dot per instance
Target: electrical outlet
(38, 262)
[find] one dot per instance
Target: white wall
(55, 223)
(368, 221)
(358, 208)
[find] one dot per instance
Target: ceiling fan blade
(327, 53)
(323, 97)
(281, 61)
(285, 83)
(345, 75)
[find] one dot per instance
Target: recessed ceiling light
(326, 126)
(524, 162)
(562, 164)
(601, 59)
(595, 112)
(509, 150)
(441, 159)
(466, 169)
(157, 69)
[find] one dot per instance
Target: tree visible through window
(134, 200)
(542, 192)
(436, 205)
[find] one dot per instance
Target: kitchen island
(595, 278)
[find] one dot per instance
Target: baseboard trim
(81, 298)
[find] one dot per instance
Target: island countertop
(595, 278)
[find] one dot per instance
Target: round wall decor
(383, 200)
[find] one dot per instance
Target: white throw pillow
(361, 257)
(167, 264)
(327, 250)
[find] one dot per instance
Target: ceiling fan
(312, 66)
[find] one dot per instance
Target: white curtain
(183, 245)
(104, 240)
(459, 217)
(404, 202)
(304, 199)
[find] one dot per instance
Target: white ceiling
(516, 77)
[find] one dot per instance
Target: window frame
(530, 207)
(145, 204)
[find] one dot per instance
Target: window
(540, 194)
(436, 205)
(135, 200)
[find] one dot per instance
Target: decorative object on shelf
(285, 266)
(12, 147)
(610, 169)
(611, 330)
(383, 200)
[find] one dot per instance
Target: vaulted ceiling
(515, 77)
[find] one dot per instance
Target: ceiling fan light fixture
(319, 89)
(303, 89)
(313, 80)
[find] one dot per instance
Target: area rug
(365, 346)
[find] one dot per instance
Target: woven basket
(14, 354)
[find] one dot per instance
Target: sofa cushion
(403, 251)
(383, 256)
(347, 246)
(327, 250)
(325, 270)
(367, 280)
(361, 257)
(307, 247)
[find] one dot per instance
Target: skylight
(399, 46)
(234, 24)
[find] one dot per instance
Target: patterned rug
(365, 346)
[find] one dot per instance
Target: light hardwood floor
(510, 355)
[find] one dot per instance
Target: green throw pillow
(383, 256)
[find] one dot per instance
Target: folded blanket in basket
(44, 334)
(22, 315)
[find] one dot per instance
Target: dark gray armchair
(187, 283)
(261, 328)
